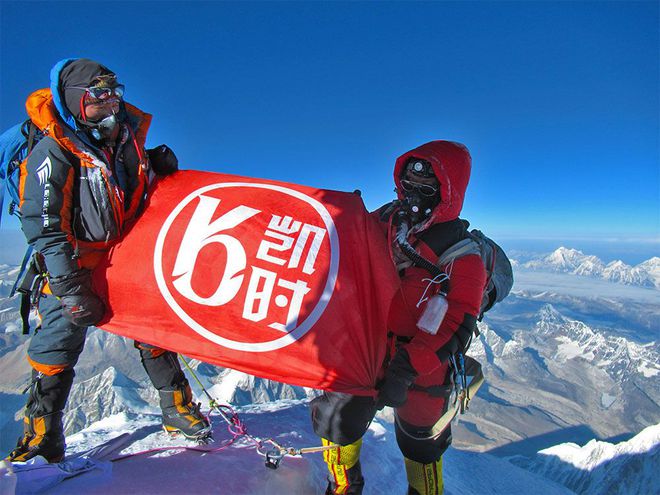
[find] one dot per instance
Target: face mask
(103, 129)
(417, 206)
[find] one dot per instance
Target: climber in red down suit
(421, 224)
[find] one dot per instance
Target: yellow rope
(192, 372)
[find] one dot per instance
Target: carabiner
(273, 458)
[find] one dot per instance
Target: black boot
(41, 436)
(180, 414)
(43, 432)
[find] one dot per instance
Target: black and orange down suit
(75, 205)
(343, 419)
(78, 197)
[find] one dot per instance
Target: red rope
(236, 428)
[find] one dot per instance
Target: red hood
(451, 164)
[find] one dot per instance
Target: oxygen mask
(420, 189)
(419, 199)
(103, 129)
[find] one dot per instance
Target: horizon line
(627, 238)
(608, 238)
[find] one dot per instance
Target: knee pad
(341, 418)
(415, 445)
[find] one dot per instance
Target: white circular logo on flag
(248, 266)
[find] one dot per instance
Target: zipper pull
(76, 248)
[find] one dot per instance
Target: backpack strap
(26, 306)
(31, 135)
(458, 250)
(29, 284)
(21, 272)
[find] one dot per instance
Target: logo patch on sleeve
(44, 170)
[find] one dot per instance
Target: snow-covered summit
(601, 467)
(573, 260)
(652, 267)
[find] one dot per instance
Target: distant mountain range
(546, 372)
(565, 260)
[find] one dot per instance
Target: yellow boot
(344, 467)
(424, 479)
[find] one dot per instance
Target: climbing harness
(461, 390)
(272, 452)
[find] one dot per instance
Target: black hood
(81, 73)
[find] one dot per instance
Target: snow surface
(595, 468)
(238, 469)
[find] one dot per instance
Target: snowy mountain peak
(652, 268)
(567, 253)
(651, 263)
(107, 393)
(565, 257)
(548, 314)
(597, 452)
(566, 260)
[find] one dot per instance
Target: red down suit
(428, 353)
(343, 419)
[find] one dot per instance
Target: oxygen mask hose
(402, 240)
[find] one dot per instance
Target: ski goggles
(103, 93)
(424, 189)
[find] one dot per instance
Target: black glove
(79, 303)
(393, 390)
(163, 160)
(459, 342)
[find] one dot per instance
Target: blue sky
(557, 101)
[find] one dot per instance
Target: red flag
(278, 280)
